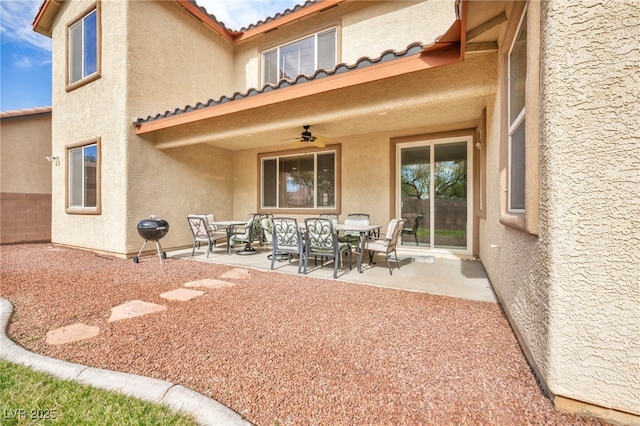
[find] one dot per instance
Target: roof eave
(291, 17)
(43, 21)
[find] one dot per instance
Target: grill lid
(153, 229)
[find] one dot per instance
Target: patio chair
(414, 227)
(334, 217)
(203, 232)
(354, 219)
(321, 240)
(247, 234)
(287, 240)
(388, 245)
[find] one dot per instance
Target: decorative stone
(135, 308)
(181, 294)
(209, 283)
(237, 273)
(71, 333)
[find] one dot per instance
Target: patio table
(364, 230)
(229, 225)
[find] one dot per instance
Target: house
(509, 127)
(25, 175)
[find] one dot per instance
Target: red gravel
(283, 349)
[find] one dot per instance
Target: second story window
(302, 56)
(83, 47)
(517, 62)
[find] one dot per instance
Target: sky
(25, 63)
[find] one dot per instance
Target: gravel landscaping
(282, 349)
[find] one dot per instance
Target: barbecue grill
(152, 229)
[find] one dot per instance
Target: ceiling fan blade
(320, 141)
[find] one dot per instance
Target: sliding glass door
(434, 194)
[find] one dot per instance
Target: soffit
(436, 100)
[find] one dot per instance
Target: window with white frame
(83, 47)
(302, 56)
(517, 64)
(299, 181)
(84, 177)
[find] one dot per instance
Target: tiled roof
(279, 15)
(388, 55)
(25, 112)
(259, 23)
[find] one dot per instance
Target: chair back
(266, 225)
(393, 233)
(356, 219)
(320, 235)
(286, 233)
(199, 225)
(334, 217)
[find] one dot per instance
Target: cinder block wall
(25, 218)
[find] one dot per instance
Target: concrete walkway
(179, 398)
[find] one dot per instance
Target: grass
(29, 397)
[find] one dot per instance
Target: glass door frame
(431, 142)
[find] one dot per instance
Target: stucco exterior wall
(25, 141)
(89, 112)
(364, 29)
(174, 60)
(591, 169)
(25, 178)
(572, 293)
(144, 51)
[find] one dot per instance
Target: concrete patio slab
(71, 333)
(181, 294)
(135, 308)
(420, 271)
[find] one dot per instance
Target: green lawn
(28, 397)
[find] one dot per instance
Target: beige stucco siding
(592, 185)
(365, 29)
(174, 60)
(152, 59)
(91, 112)
(25, 178)
(25, 141)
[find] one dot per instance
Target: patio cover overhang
(380, 88)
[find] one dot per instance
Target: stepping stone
(209, 283)
(135, 308)
(237, 273)
(71, 333)
(181, 294)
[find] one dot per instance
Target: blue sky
(25, 73)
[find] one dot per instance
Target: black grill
(152, 229)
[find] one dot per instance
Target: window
(517, 64)
(83, 193)
(83, 48)
(299, 181)
(303, 56)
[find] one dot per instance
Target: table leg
(363, 237)
(229, 233)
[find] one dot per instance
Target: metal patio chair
(321, 240)
(203, 232)
(287, 240)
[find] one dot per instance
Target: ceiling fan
(307, 139)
